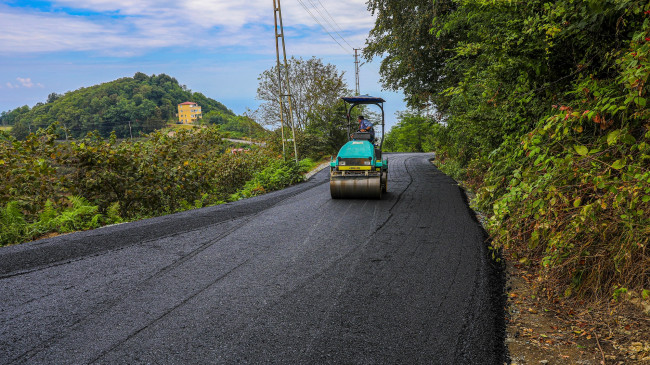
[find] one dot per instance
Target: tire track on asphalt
(399, 197)
(167, 312)
(106, 306)
(62, 250)
(351, 268)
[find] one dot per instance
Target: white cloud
(348, 14)
(25, 82)
(126, 27)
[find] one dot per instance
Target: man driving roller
(366, 126)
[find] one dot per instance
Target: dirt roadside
(540, 331)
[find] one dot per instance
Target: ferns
(12, 224)
(79, 215)
(76, 215)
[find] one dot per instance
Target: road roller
(359, 170)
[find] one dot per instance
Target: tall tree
(314, 86)
(545, 110)
(413, 58)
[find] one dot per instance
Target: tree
(13, 116)
(545, 109)
(318, 112)
(52, 97)
(314, 86)
(414, 60)
(410, 134)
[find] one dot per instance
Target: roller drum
(355, 187)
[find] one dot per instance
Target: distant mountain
(128, 106)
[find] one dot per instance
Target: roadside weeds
(541, 330)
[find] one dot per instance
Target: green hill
(129, 106)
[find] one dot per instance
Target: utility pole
(283, 84)
(356, 71)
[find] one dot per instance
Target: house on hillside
(189, 112)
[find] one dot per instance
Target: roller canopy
(363, 99)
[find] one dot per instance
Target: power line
(321, 25)
(327, 21)
(335, 23)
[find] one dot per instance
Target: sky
(216, 47)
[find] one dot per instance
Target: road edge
(29, 256)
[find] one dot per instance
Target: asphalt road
(289, 277)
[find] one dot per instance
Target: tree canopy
(318, 112)
(411, 134)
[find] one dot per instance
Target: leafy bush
(28, 172)
(78, 215)
(307, 164)
(66, 186)
(276, 176)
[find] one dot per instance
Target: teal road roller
(359, 170)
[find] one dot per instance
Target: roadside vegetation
(54, 186)
(542, 108)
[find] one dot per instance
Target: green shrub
(13, 227)
(276, 176)
(83, 184)
(77, 215)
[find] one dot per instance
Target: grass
(177, 127)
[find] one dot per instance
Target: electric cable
(335, 23)
(321, 25)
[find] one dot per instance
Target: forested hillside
(542, 109)
(130, 106)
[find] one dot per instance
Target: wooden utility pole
(283, 84)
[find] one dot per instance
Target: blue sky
(217, 47)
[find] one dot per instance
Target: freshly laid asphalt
(289, 277)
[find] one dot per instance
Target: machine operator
(366, 126)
